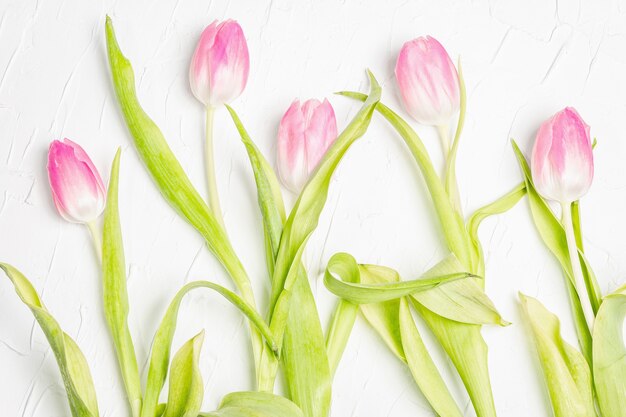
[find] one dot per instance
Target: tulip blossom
(562, 171)
(306, 131)
(78, 191)
(429, 82)
(220, 64)
(562, 158)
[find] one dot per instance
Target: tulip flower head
(220, 64)
(77, 188)
(562, 157)
(305, 133)
(429, 82)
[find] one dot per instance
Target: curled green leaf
(360, 293)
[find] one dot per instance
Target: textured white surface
(522, 61)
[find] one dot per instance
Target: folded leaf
(360, 293)
(565, 369)
(162, 344)
(304, 357)
(115, 294)
(186, 389)
(609, 355)
(72, 363)
(169, 175)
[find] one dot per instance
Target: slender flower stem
(209, 162)
(95, 237)
(577, 271)
(444, 137)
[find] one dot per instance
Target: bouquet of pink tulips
(287, 333)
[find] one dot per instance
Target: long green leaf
(186, 388)
(169, 175)
(115, 293)
(255, 404)
(609, 355)
(304, 355)
(72, 363)
(553, 236)
(162, 344)
(566, 371)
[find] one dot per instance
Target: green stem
(95, 237)
(209, 161)
(577, 271)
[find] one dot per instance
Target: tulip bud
(562, 158)
(305, 133)
(220, 64)
(77, 188)
(429, 82)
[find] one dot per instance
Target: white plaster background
(522, 61)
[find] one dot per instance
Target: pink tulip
(220, 64)
(306, 131)
(77, 188)
(562, 158)
(429, 82)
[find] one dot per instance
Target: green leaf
(565, 369)
(162, 344)
(255, 404)
(115, 293)
(72, 363)
(186, 389)
(169, 175)
(553, 236)
(304, 357)
(609, 355)
(360, 293)
(462, 300)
